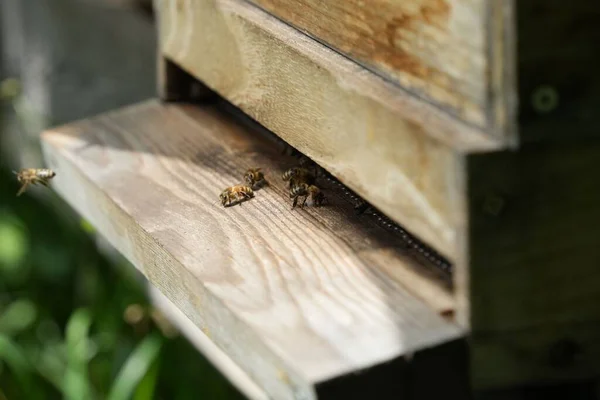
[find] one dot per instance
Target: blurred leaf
(2, 395)
(76, 382)
(86, 226)
(52, 262)
(12, 355)
(13, 244)
(18, 316)
(135, 368)
(48, 331)
(9, 88)
(145, 390)
(51, 366)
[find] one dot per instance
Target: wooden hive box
(485, 207)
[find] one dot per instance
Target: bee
(33, 176)
(236, 194)
(298, 175)
(254, 177)
(310, 165)
(305, 162)
(361, 207)
(313, 194)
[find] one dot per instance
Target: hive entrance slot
(424, 254)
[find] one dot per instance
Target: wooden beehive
(414, 106)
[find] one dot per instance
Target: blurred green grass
(63, 334)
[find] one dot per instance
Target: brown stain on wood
(362, 30)
(398, 31)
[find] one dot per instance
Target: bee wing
(44, 182)
(23, 188)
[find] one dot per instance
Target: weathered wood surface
(534, 275)
(435, 49)
(392, 152)
(293, 297)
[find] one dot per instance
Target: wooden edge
(202, 342)
(502, 32)
(172, 82)
(461, 272)
(277, 375)
(351, 79)
(427, 48)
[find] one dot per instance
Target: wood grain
(534, 254)
(435, 49)
(293, 297)
(202, 343)
(390, 150)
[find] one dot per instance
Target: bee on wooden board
(33, 176)
(313, 194)
(298, 175)
(236, 194)
(255, 178)
(311, 166)
(361, 207)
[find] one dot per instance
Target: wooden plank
(533, 274)
(338, 114)
(295, 298)
(435, 49)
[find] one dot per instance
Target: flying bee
(313, 194)
(255, 178)
(33, 176)
(236, 194)
(298, 175)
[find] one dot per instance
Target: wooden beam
(435, 49)
(397, 153)
(534, 281)
(294, 297)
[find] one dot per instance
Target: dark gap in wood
(178, 85)
(146, 8)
